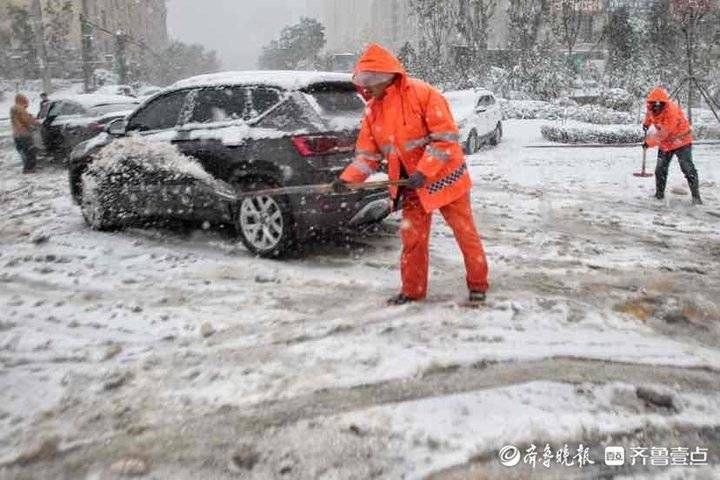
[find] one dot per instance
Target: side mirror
(117, 127)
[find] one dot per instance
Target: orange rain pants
(415, 233)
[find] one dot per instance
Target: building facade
(352, 24)
(144, 22)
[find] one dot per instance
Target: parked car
(148, 91)
(71, 120)
(124, 90)
(478, 116)
(252, 130)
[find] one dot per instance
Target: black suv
(252, 130)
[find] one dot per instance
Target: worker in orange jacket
(673, 137)
(408, 125)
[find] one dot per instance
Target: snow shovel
(643, 172)
(228, 193)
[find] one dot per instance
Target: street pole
(40, 41)
(121, 65)
(86, 44)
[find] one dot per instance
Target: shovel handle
(378, 184)
(323, 188)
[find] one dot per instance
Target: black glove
(645, 146)
(416, 181)
(645, 129)
(339, 186)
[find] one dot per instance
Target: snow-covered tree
(408, 57)
(298, 47)
(5, 47)
(58, 18)
(436, 21)
(525, 20)
(566, 21)
(629, 66)
(180, 60)
(473, 22)
(23, 40)
(697, 21)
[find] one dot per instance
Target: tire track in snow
(167, 442)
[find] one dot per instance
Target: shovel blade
(642, 174)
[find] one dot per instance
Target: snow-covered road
(178, 349)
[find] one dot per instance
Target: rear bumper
(330, 212)
(374, 211)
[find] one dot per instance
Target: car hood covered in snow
(462, 102)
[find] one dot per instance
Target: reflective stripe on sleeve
(445, 137)
(363, 167)
(417, 143)
(439, 154)
(376, 157)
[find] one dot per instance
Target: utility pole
(40, 41)
(86, 32)
(120, 61)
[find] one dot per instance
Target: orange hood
(377, 59)
(658, 94)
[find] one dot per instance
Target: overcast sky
(237, 29)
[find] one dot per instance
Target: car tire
(497, 135)
(93, 206)
(472, 145)
(265, 224)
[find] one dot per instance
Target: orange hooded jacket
(412, 127)
(673, 129)
(22, 122)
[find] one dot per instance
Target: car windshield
(110, 108)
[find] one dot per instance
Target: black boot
(477, 297)
(400, 299)
(695, 190)
(658, 196)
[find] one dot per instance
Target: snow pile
(129, 154)
(614, 134)
(111, 182)
(606, 134)
(536, 109)
(617, 99)
(706, 131)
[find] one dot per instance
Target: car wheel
(497, 135)
(264, 223)
(472, 144)
(92, 205)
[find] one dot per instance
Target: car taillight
(96, 127)
(314, 145)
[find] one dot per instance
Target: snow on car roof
(461, 94)
(89, 100)
(285, 79)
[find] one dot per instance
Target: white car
(478, 116)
